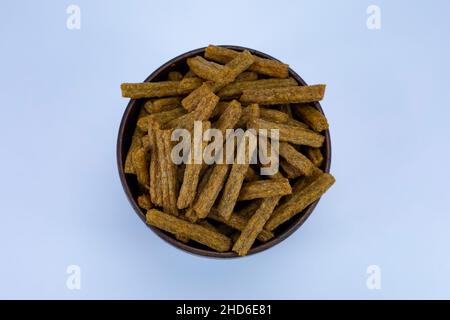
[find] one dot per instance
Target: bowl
(130, 184)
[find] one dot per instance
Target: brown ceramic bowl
(129, 182)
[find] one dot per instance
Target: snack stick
(140, 161)
(154, 170)
(295, 158)
(255, 225)
(236, 66)
(295, 123)
(198, 233)
(315, 155)
(174, 76)
(235, 179)
(161, 105)
(191, 176)
(263, 66)
(172, 182)
(300, 200)
(164, 171)
(297, 94)
(312, 117)
(273, 115)
(229, 117)
(144, 202)
(239, 222)
(161, 117)
(220, 108)
(190, 74)
(291, 171)
(235, 89)
(136, 143)
(208, 195)
(250, 112)
(248, 210)
(191, 101)
(145, 140)
(247, 76)
(205, 174)
(251, 175)
(292, 134)
(159, 89)
(205, 69)
(303, 182)
(264, 189)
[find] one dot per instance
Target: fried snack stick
(263, 66)
(292, 134)
(174, 76)
(136, 143)
(172, 181)
(239, 222)
(229, 118)
(144, 202)
(251, 175)
(159, 89)
(140, 161)
(190, 214)
(154, 172)
(161, 105)
(198, 233)
(297, 94)
(315, 155)
(202, 112)
(192, 100)
(236, 66)
(205, 69)
(160, 117)
(273, 115)
(235, 179)
(250, 112)
(208, 195)
(296, 159)
(220, 108)
(291, 171)
(191, 177)
(264, 189)
(300, 200)
(235, 89)
(312, 117)
(255, 225)
(247, 76)
(249, 209)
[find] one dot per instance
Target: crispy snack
(209, 194)
(205, 69)
(296, 159)
(255, 225)
(154, 170)
(297, 94)
(300, 200)
(273, 115)
(315, 155)
(235, 89)
(234, 181)
(172, 181)
(174, 76)
(290, 171)
(239, 222)
(247, 76)
(192, 100)
(160, 117)
(159, 89)
(312, 117)
(251, 175)
(229, 117)
(136, 142)
(202, 112)
(267, 67)
(295, 123)
(144, 202)
(198, 233)
(161, 105)
(140, 161)
(191, 177)
(220, 108)
(264, 189)
(249, 113)
(190, 74)
(287, 133)
(236, 66)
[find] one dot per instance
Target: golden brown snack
(140, 162)
(220, 108)
(229, 117)
(154, 170)
(198, 233)
(249, 113)
(248, 210)
(287, 133)
(251, 175)
(161, 105)
(192, 100)
(273, 115)
(247, 76)
(264, 189)
(267, 67)
(205, 69)
(159, 89)
(290, 171)
(255, 225)
(296, 159)
(144, 202)
(236, 66)
(174, 76)
(300, 200)
(208, 195)
(315, 155)
(136, 142)
(235, 89)
(160, 117)
(239, 222)
(298, 94)
(172, 181)
(312, 117)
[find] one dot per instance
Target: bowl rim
(299, 218)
